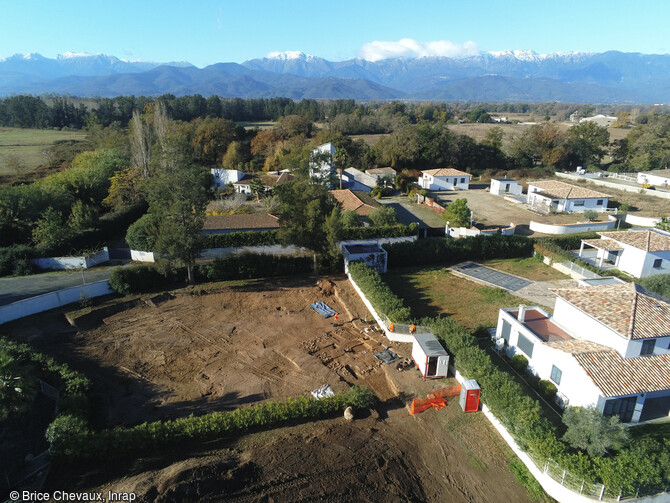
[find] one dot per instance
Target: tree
(458, 213)
(16, 388)
(177, 199)
(383, 216)
(351, 219)
(82, 217)
(588, 430)
(50, 231)
(257, 188)
(305, 205)
(591, 215)
(664, 224)
(585, 144)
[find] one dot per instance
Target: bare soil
(171, 355)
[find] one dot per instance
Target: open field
(185, 352)
(434, 291)
(528, 268)
(27, 145)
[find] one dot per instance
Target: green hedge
(236, 239)
(255, 265)
(452, 251)
(15, 260)
(71, 440)
(389, 231)
(378, 293)
(140, 278)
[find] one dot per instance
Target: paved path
(13, 289)
(537, 292)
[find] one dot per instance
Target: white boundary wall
(52, 300)
(641, 221)
(61, 263)
(617, 186)
(573, 228)
(392, 336)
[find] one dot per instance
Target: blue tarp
(323, 309)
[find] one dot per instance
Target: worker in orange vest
(412, 329)
(391, 327)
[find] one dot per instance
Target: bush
(140, 235)
(388, 231)
(659, 284)
(591, 215)
(385, 302)
(139, 278)
(15, 260)
(64, 432)
(237, 239)
(519, 363)
(547, 389)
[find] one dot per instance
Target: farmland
(28, 145)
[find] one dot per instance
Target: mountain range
(609, 77)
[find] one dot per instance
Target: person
(336, 316)
(412, 329)
(391, 327)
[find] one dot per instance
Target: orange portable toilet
(469, 399)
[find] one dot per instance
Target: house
(355, 179)
(371, 253)
(222, 177)
(382, 173)
(354, 200)
(605, 346)
(503, 186)
(249, 222)
(660, 177)
(444, 179)
(640, 253)
(322, 165)
(552, 195)
(269, 181)
(600, 120)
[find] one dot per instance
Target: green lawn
(27, 145)
(432, 291)
(529, 268)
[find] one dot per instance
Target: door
(623, 407)
(431, 370)
(442, 366)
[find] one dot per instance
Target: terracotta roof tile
(577, 346)
(603, 244)
(617, 376)
(647, 240)
(354, 200)
(627, 308)
(241, 221)
(562, 190)
(445, 172)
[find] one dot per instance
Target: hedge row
(266, 238)
(70, 440)
(137, 279)
(15, 260)
(452, 251)
(72, 386)
(378, 293)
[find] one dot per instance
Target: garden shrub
(15, 260)
(139, 278)
(519, 363)
(378, 293)
(255, 265)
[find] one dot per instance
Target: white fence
(571, 269)
(52, 300)
(62, 263)
(619, 186)
(573, 228)
(641, 221)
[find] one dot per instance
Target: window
(578, 203)
(648, 347)
(556, 374)
(462, 180)
(599, 202)
(658, 263)
(525, 345)
(506, 329)
(622, 407)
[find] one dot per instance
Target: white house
(269, 181)
(444, 179)
(605, 346)
(600, 119)
(640, 253)
(387, 174)
(551, 195)
(223, 177)
(322, 165)
(503, 186)
(371, 253)
(660, 177)
(355, 179)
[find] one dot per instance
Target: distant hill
(609, 77)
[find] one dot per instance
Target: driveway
(13, 289)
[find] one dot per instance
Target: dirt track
(168, 356)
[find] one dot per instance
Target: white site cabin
(430, 356)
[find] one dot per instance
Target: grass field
(27, 146)
(432, 291)
(528, 268)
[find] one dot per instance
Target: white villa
(551, 195)
(503, 186)
(605, 346)
(640, 253)
(444, 179)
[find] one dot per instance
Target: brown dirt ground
(172, 355)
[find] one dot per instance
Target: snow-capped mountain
(510, 75)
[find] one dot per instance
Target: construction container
(430, 356)
(470, 392)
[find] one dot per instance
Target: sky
(204, 32)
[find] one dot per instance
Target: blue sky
(210, 31)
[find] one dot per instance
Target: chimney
(522, 313)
